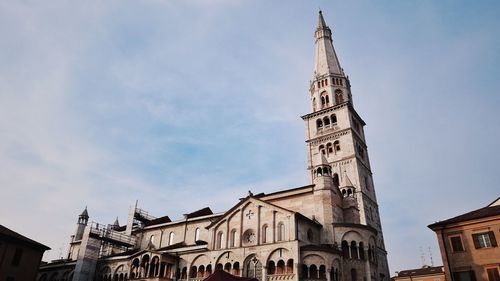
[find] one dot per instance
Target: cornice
(324, 110)
(331, 136)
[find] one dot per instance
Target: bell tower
(335, 136)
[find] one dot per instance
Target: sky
(187, 104)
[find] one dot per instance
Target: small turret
(349, 201)
(322, 174)
(83, 219)
(116, 224)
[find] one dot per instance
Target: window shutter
(492, 239)
(476, 241)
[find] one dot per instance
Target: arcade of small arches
(357, 251)
(330, 148)
(148, 266)
(273, 268)
(326, 122)
(348, 191)
(335, 81)
(319, 272)
(325, 99)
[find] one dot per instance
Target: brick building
(469, 246)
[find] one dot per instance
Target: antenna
(60, 250)
(430, 256)
(422, 256)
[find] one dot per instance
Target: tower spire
(326, 58)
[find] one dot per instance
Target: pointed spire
(346, 182)
(116, 223)
(321, 21)
(326, 58)
(85, 213)
(324, 161)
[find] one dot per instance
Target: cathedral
(328, 230)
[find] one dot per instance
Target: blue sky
(184, 104)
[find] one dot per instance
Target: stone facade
(469, 246)
(329, 230)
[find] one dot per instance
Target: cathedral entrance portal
(253, 268)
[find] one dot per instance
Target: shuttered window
(484, 240)
(493, 274)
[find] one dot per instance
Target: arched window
(326, 82)
(354, 276)
(281, 231)
(193, 272)
(227, 267)
(271, 268)
(201, 271)
(171, 238)
(152, 241)
(236, 269)
(329, 147)
(184, 273)
(326, 122)
(345, 249)
(322, 149)
(197, 234)
(289, 266)
(322, 272)
(313, 272)
(338, 97)
(233, 238)
(354, 250)
(319, 124)
(333, 118)
(336, 179)
(280, 268)
(208, 271)
(325, 100)
(336, 146)
(220, 239)
(264, 233)
(304, 271)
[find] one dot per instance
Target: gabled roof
(313, 221)
(159, 220)
(7, 234)
(346, 181)
(243, 201)
(428, 270)
(202, 212)
(488, 211)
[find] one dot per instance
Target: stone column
(367, 270)
(258, 224)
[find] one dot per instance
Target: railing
(276, 277)
(142, 215)
(104, 232)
